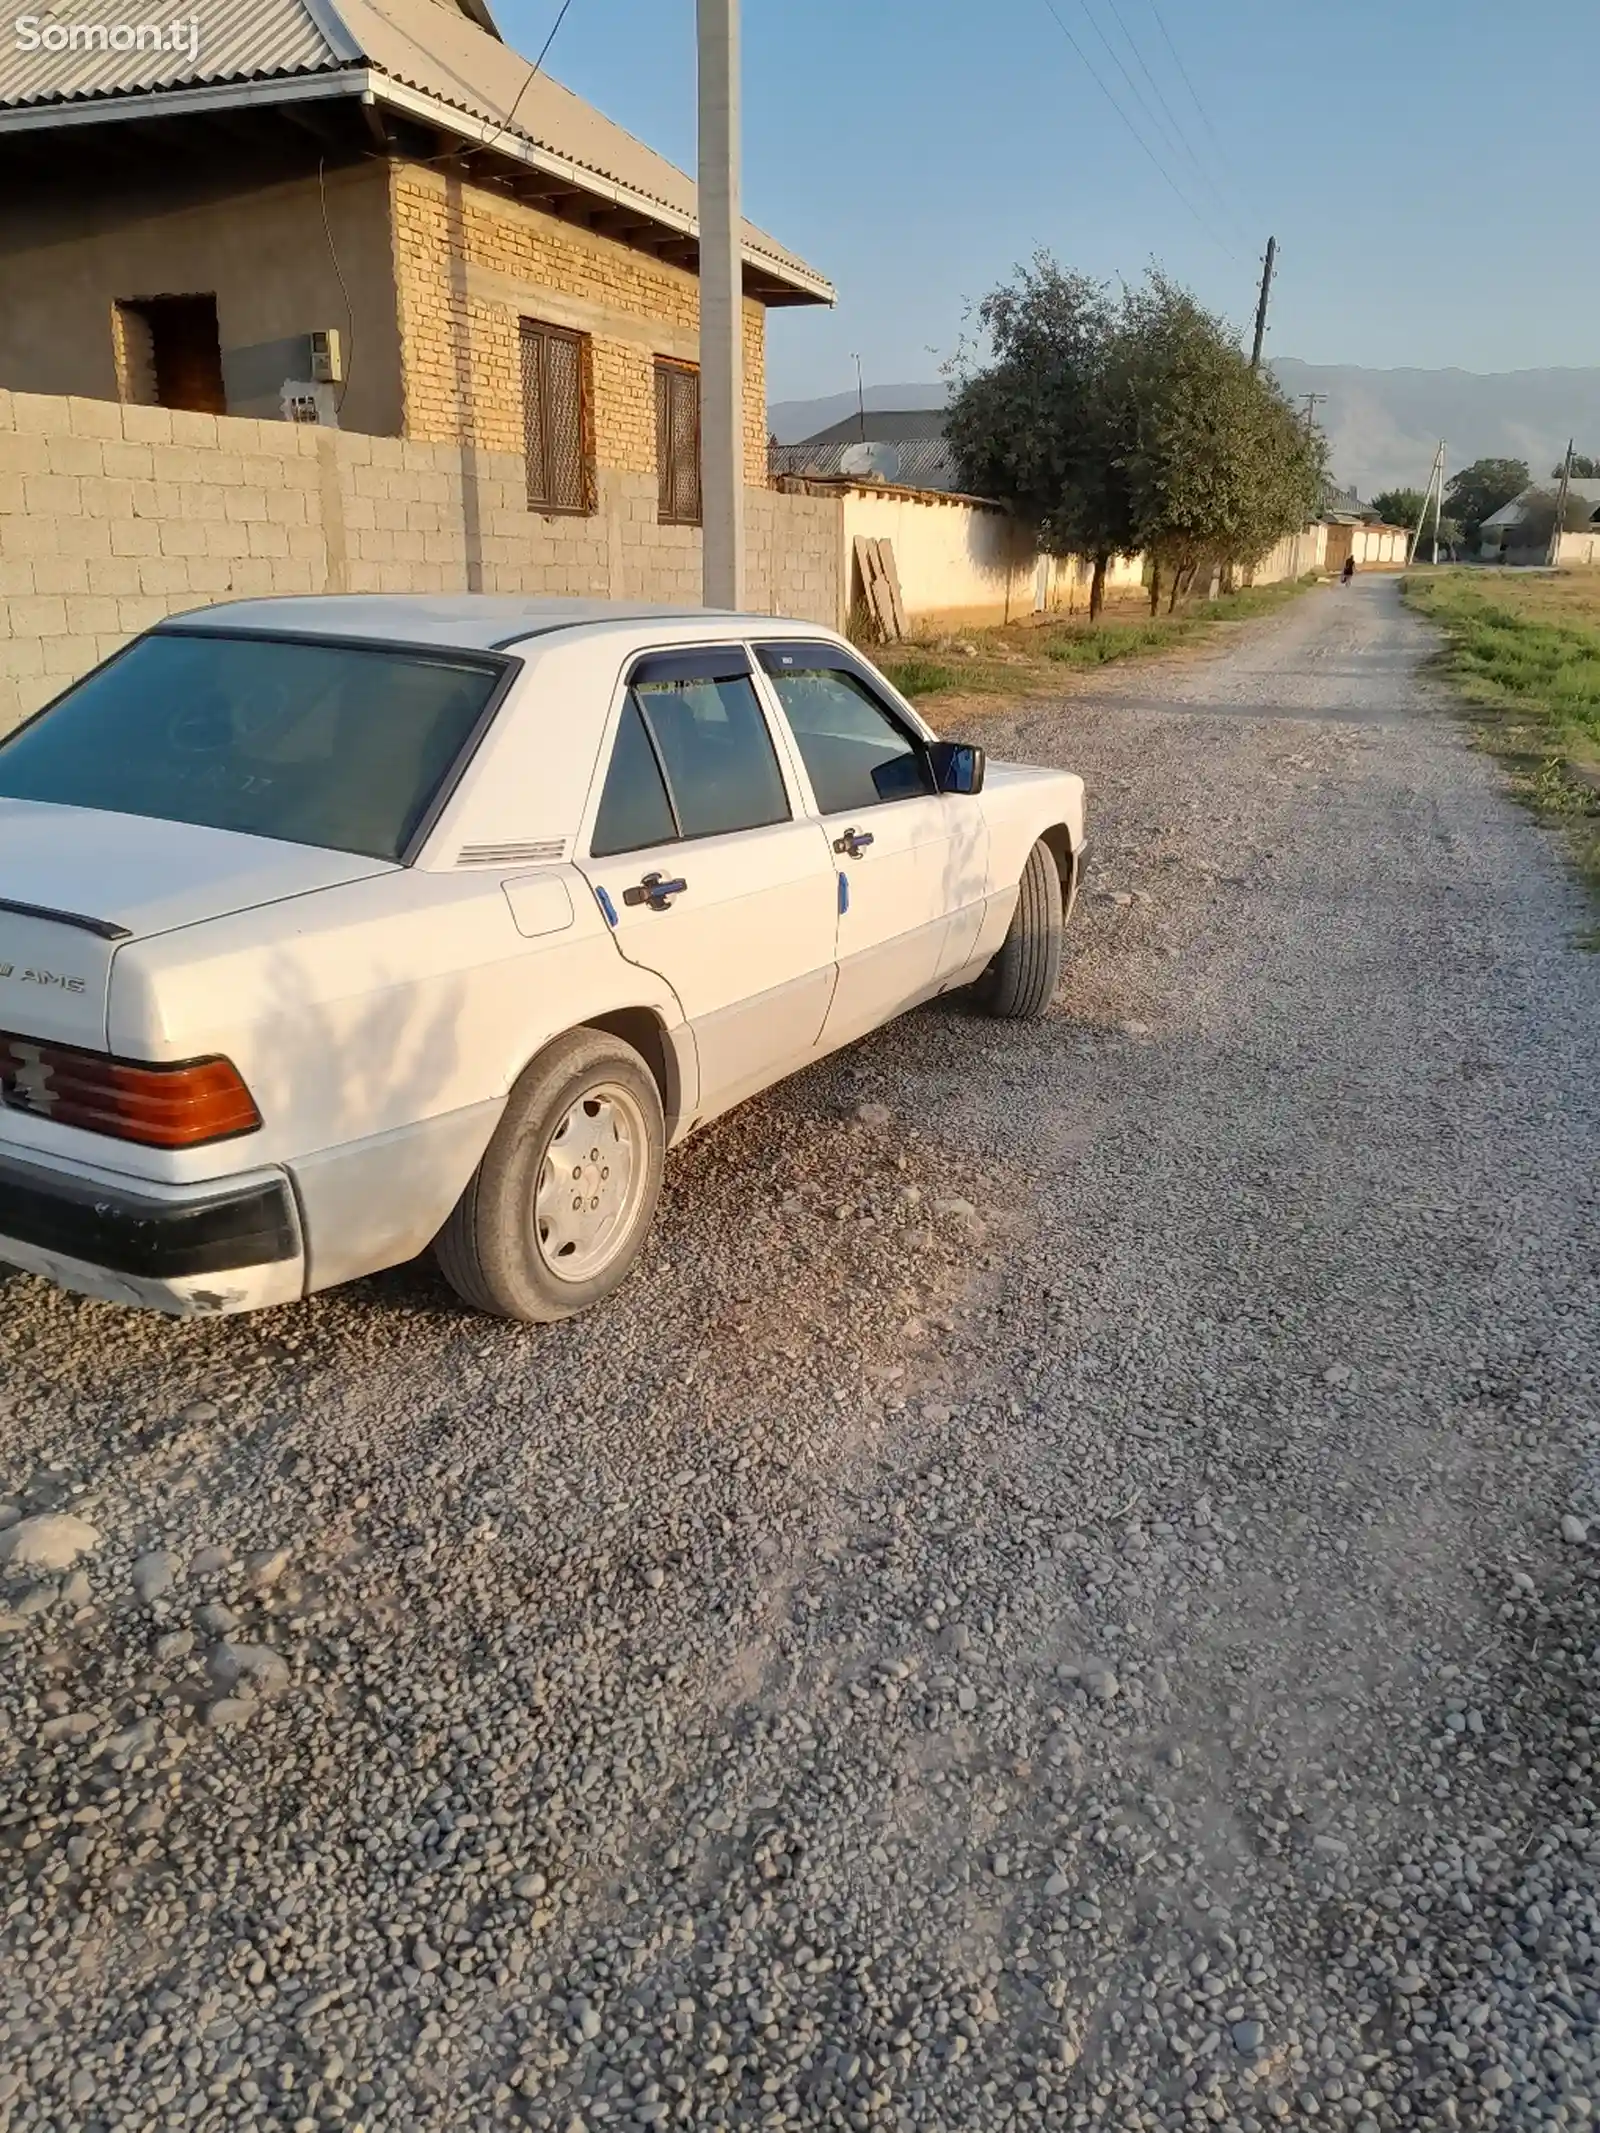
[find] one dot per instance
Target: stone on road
(1060, 1596)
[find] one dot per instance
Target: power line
(1090, 69)
(534, 71)
(349, 363)
(1161, 134)
(1116, 60)
(1175, 129)
(1194, 94)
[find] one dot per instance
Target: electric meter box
(327, 357)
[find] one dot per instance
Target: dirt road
(1044, 1605)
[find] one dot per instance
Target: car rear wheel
(1020, 983)
(558, 1210)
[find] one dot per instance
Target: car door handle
(854, 842)
(655, 891)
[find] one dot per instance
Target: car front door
(708, 873)
(910, 858)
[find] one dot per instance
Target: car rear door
(910, 858)
(709, 873)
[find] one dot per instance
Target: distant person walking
(1349, 570)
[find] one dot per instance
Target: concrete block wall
(114, 516)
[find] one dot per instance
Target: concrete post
(721, 315)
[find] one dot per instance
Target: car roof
(471, 622)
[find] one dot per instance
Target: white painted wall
(1374, 548)
(1293, 556)
(968, 564)
(1380, 547)
(1061, 582)
(958, 561)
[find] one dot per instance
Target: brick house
(369, 213)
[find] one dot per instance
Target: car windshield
(314, 743)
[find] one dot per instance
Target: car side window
(714, 746)
(693, 756)
(855, 753)
(635, 811)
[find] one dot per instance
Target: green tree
(1479, 490)
(1399, 507)
(1583, 468)
(1218, 463)
(1029, 427)
(1538, 519)
(1112, 426)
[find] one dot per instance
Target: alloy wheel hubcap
(589, 1183)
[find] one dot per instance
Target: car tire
(558, 1210)
(1021, 982)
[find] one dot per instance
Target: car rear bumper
(194, 1250)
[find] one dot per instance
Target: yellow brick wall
(469, 263)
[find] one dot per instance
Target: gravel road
(1061, 1596)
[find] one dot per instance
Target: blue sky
(915, 149)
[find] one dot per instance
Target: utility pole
(1553, 553)
(1435, 480)
(1313, 402)
(1261, 308)
(861, 401)
(721, 309)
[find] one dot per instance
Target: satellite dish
(878, 462)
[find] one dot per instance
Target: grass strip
(1523, 652)
(1026, 658)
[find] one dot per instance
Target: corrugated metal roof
(887, 425)
(233, 40)
(428, 46)
(432, 48)
(912, 463)
(927, 463)
(1584, 487)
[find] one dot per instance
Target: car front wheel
(558, 1210)
(1021, 982)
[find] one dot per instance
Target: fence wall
(114, 516)
(963, 563)
(1062, 583)
(959, 562)
(1293, 557)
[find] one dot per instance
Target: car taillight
(160, 1106)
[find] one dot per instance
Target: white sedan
(331, 929)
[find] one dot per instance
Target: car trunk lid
(75, 884)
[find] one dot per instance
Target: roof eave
(477, 11)
(796, 282)
(806, 285)
(177, 103)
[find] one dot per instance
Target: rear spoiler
(106, 928)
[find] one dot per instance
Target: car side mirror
(958, 766)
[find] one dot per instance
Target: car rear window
(314, 743)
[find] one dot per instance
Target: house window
(169, 353)
(555, 418)
(678, 442)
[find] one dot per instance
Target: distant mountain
(792, 421)
(1382, 425)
